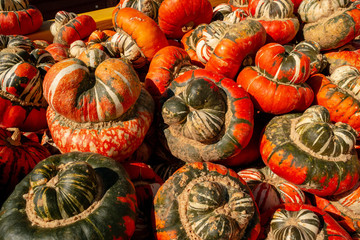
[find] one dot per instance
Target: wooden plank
(102, 17)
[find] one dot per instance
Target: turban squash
(311, 152)
(69, 196)
(97, 107)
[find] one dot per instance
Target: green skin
(110, 220)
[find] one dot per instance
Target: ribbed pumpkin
(18, 17)
(16, 41)
(68, 27)
(270, 190)
(58, 51)
(205, 201)
(222, 47)
(239, 4)
(277, 18)
(98, 39)
(224, 12)
(311, 152)
(138, 37)
(276, 83)
(97, 108)
(149, 7)
(339, 94)
(177, 17)
(71, 196)
(334, 30)
(21, 97)
(18, 155)
(318, 61)
(166, 65)
(301, 221)
(207, 117)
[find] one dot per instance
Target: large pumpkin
(276, 83)
(18, 17)
(149, 7)
(205, 201)
(343, 57)
(339, 94)
(18, 155)
(311, 152)
(21, 96)
(71, 196)
(138, 36)
(97, 108)
(207, 117)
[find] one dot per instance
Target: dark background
(49, 8)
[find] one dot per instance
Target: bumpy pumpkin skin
(324, 163)
(338, 93)
(343, 57)
(111, 215)
(220, 117)
(277, 83)
(18, 17)
(300, 220)
(335, 30)
(205, 201)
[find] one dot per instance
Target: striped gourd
(200, 109)
(64, 191)
(301, 225)
(93, 57)
(196, 107)
(313, 10)
(312, 50)
(13, 5)
(205, 201)
(311, 152)
(348, 79)
(224, 12)
(16, 41)
(269, 189)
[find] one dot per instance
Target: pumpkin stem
(15, 138)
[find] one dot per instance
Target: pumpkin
(68, 27)
(21, 98)
(335, 30)
(73, 195)
(318, 61)
(300, 221)
(222, 47)
(344, 208)
(103, 110)
(146, 183)
(339, 93)
(205, 201)
(167, 64)
(344, 57)
(138, 37)
(18, 17)
(177, 17)
(239, 4)
(149, 7)
(207, 117)
(311, 152)
(277, 18)
(98, 39)
(19, 155)
(270, 190)
(276, 83)
(16, 41)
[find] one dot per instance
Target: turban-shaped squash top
(311, 152)
(205, 201)
(71, 196)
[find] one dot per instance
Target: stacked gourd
(184, 121)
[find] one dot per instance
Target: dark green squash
(71, 196)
